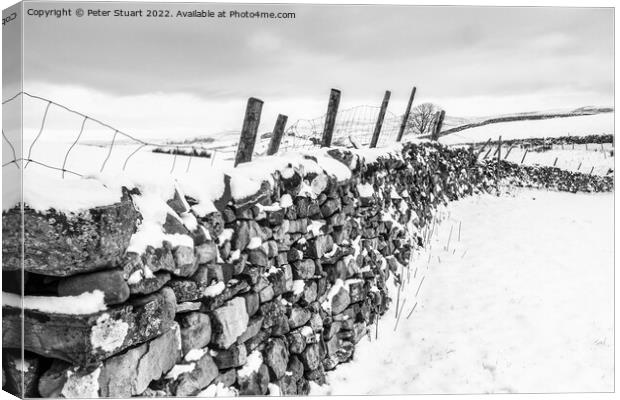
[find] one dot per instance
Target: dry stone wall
(272, 291)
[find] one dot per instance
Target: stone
(258, 341)
(173, 225)
(294, 254)
(336, 271)
(310, 357)
(90, 338)
(258, 257)
(195, 331)
(229, 322)
(332, 329)
(124, 375)
(276, 356)
(330, 362)
(15, 368)
(359, 331)
(254, 326)
(110, 282)
(297, 342)
(356, 291)
(273, 312)
(266, 294)
(252, 302)
(280, 328)
(316, 322)
(287, 385)
(309, 293)
(232, 289)
(188, 306)
(298, 226)
(303, 387)
(151, 284)
(295, 367)
(345, 352)
(178, 202)
(234, 356)
(206, 252)
(340, 301)
(298, 317)
(253, 383)
(303, 269)
(227, 377)
(330, 207)
(332, 345)
(191, 383)
(185, 261)
(317, 375)
(185, 290)
(59, 244)
(245, 231)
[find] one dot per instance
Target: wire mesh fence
(118, 149)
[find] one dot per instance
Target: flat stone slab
(123, 375)
(58, 244)
(87, 339)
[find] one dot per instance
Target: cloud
(210, 67)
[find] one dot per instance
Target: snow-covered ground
(523, 302)
(598, 124)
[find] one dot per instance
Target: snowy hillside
(574, 126)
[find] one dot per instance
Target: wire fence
(114, 134)
(588, 158)
(354, 127)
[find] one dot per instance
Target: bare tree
(421, 118)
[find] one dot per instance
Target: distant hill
(534, 115)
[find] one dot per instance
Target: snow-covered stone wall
(256, 281)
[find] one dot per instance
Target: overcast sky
(181, 77)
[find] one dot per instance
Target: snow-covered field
(575, 126)
(523, 302)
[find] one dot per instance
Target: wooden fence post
(508, 152)
(379, 124)
(330, 118)
(499, 160)
(438, 124)
(403, 124)
(248, 132)
(276, 135)
(524, 154)
(483, 147)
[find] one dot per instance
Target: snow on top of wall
(372, 155)
(85, 303)
(74, 194)
(42, 192)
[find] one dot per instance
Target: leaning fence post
(524, 154)
(483, 147)
(330, 118)
(379, 124)
(508, 152)
(403, 123)
(440, 115)
(276, 135)
(248, 132)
